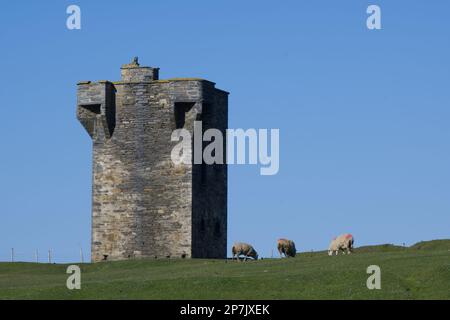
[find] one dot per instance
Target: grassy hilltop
(418, 272)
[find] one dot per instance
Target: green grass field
(418, 272)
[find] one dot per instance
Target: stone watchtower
(143, 205)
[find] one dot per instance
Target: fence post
(50, 256)
(12, 254)
(81, 255)
(36, 255)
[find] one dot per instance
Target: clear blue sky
(364, 116)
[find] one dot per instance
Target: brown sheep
(286, 247)
(244, 249)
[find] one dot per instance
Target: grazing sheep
(244, 249)
(286, 247)
(344, 242)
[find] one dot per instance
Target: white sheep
(240, 248)
(344, 242)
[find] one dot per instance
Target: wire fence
(74, 256)
(43, 256)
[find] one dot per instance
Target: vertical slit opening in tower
(180, 110)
